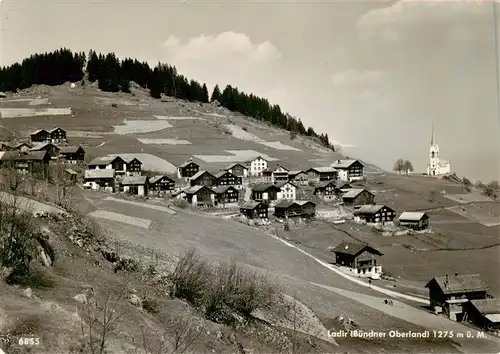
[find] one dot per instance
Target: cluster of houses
(35, 155)
(461, 297)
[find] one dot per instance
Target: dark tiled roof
(222, 189)
(354, 248)
(262, 187)
(70, 149)
(249, 205)
(487, 306)
(460, 283)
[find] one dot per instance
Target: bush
(190, 278)
(293, 134)
(150, 305)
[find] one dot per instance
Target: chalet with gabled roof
(137, 185)
(298, 177)
(73, 154)
(237, 169)
(357, 196)
(275, 173)
(35, 162)
(100, 179)
(200, 196)
(359, 259)
(133, 166)
(294, 208)
(58, 135)
(349, 170)
(326, 190)
(319, 174)
(15, 146)
(40, 136)
(254, 210)
(226, 178)
(187, 169)
(414, 220)
(160, 183)
(115, 163)
(203, 178)
(484, 313)
(448, 294)
(288, 191)
(256, 165)
(265, 191)
(226, 195)
(52, 149)
(374, 214)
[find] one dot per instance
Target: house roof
(459, 283)
(40, 146)
(273, 166)
(176, 193)
(324, 184)
(411, 216)
(281, 184)
(250, 205)
(39, 131)
(234, 165)
(104, 160)
(134, 180)
(304, 202)
(196, 189)
(222, 173)
(262, 187)
(222, 189)
(370, 209)
(339, 184)
(70, 149)
(131, 159)
(17, 156)
(354, 249)
(354, 192)
(104, 173)
(294, 173)
(157, 178)
(342, 164)
(323, 169)
(56, 128)
(14, 144)
(289, 203)
(255, 158)
(185, 163)
(487, 306)
(200, 173)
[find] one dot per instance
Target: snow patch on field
(279, 146)
(236, 156)
(177, 118)
(151, 162)
(467, 198)
(32, 112)
(239, 133)
(18, 100)
(108, 215)
(215, 115)
(140, 126)
(164, 141)
(249, 154)
(39, 101)
(119, 101)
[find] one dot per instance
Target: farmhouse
(49, 147)
(298, 177)
(226, 195)
(15, 146)
(100, 178)
(355, 196)
(349, 170)
(288, 191)
(40, 136)
(161, 183)
(115, 163)
(449, 294)
(340, 185)
(203, 178)
(265, 191)
(326, 190)
(483, 313)
(187, 169)
(275, 173)
(237, 169)
(226, 178)
(374, 214)
(36, 162)
(254, 210)
(200, 196)
(359, 259)
(288, 208)
(58, 135)
(414, 220)
(256, 166)
(138, 185)
(319, 174)
(133, 166)
(73, 154)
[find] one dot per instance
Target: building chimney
(456, 274)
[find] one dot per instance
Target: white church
(436, 166)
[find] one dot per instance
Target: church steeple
(432, 136)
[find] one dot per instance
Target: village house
(237, 169)
(359, 259)
(298, 177)
(133, 166)
(100, 179)
(115, 163)
(71, 175)
(40, 136)
(137, 185)
(203, 178)
(374, 214)
(319, 174)
(226, 178)
(73, 154)
(288, 191)
(14, 146)
(356, 196)
(187, 169)
(349, 170)
(448, 294)
(275, 173)
(256, 166)
(254, 210)
(226, 195)
(49, 147)
(289, 208)
(326, 190)
(342, 185)
(483, 313)
(35, 162)
(58, 135)
(265, 191)
(200, 196)
(414, 220)
(161, 183)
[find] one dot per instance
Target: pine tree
(205, 94)
(215, 94)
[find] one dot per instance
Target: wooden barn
(254, 210)
(200, 196)
(237, 169)
(161, 183)
(326, 190)
(355, 197)
(58, 135)
(298, 177)
(40, 136)
(226, 195)
(203, 178)
(288, 208)
(226, 178)
(484, 313)
(320, 174)
(36, 162)
(73, 154)
(100, 178)
(448, 294)
(359, 259)
(265, 191)
(187, 169)
(52, 149)
(137, 185)
(115, 163)
(133, 166)
(414, 220)
(374, 214)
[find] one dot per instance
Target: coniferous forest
(114, 75)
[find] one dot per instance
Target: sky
(374, 75)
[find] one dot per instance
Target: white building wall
(140, 191)
(342, 175)
(257, 166)
(288, 192)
